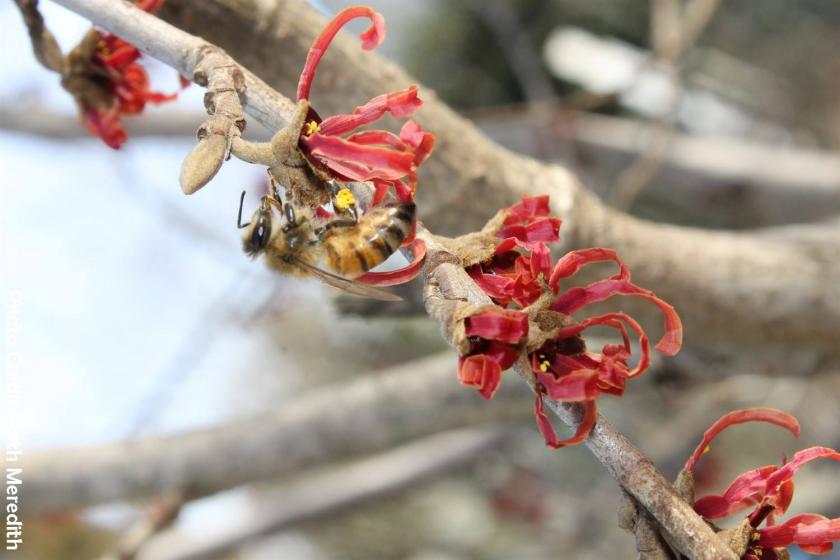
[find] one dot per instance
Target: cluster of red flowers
(114, 66)
(517, 278)
(767, 492)
(389, 161)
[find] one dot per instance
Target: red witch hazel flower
(108, 83)
(381, 157)
(315, 157)
(766, 492)
(533, 314)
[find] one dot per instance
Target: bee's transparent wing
(348, 286)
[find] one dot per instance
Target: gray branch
(348, 486)
(353, 418)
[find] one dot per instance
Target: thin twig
(672, 33)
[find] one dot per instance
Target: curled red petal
(542, 229)
(382, 137)
(783, 498)
(423, 142)
(529, 208)
(504, 325)
(482, 372)
(500, 288)
(405, 193)
(581, 385)
(769, 415)
(540, 261)
(746, 490)
(799, 459)
(576, 298)
(367, 162)
(508, 244)
(617, 321)
(811, 532)
(344, 170)
(503, 353)
(371, 39)
(381, 189)
(570, 263)
(400, 276)
(547, 430)
(400, 103)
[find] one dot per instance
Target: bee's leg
(273, 201)
(272, 182)
(344, 201)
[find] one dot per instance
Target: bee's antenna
(239, 223)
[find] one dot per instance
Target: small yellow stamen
(756, 536)
(758, 552)
(708, 448)
(344, 199)
(312, 128)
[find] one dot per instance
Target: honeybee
(296, 241)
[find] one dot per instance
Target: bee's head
(257, 231)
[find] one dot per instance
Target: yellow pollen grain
(544, 366)
(312, 128)
(756, 536)
(344, 199)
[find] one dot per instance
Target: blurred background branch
(353, 417)
(346, 486)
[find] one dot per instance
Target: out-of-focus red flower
(768, 491)
(520, 273)
(123, 83)
(388, 160)
(494, 336)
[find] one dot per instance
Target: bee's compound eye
(261, 232)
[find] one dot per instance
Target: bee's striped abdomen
(353, 250)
